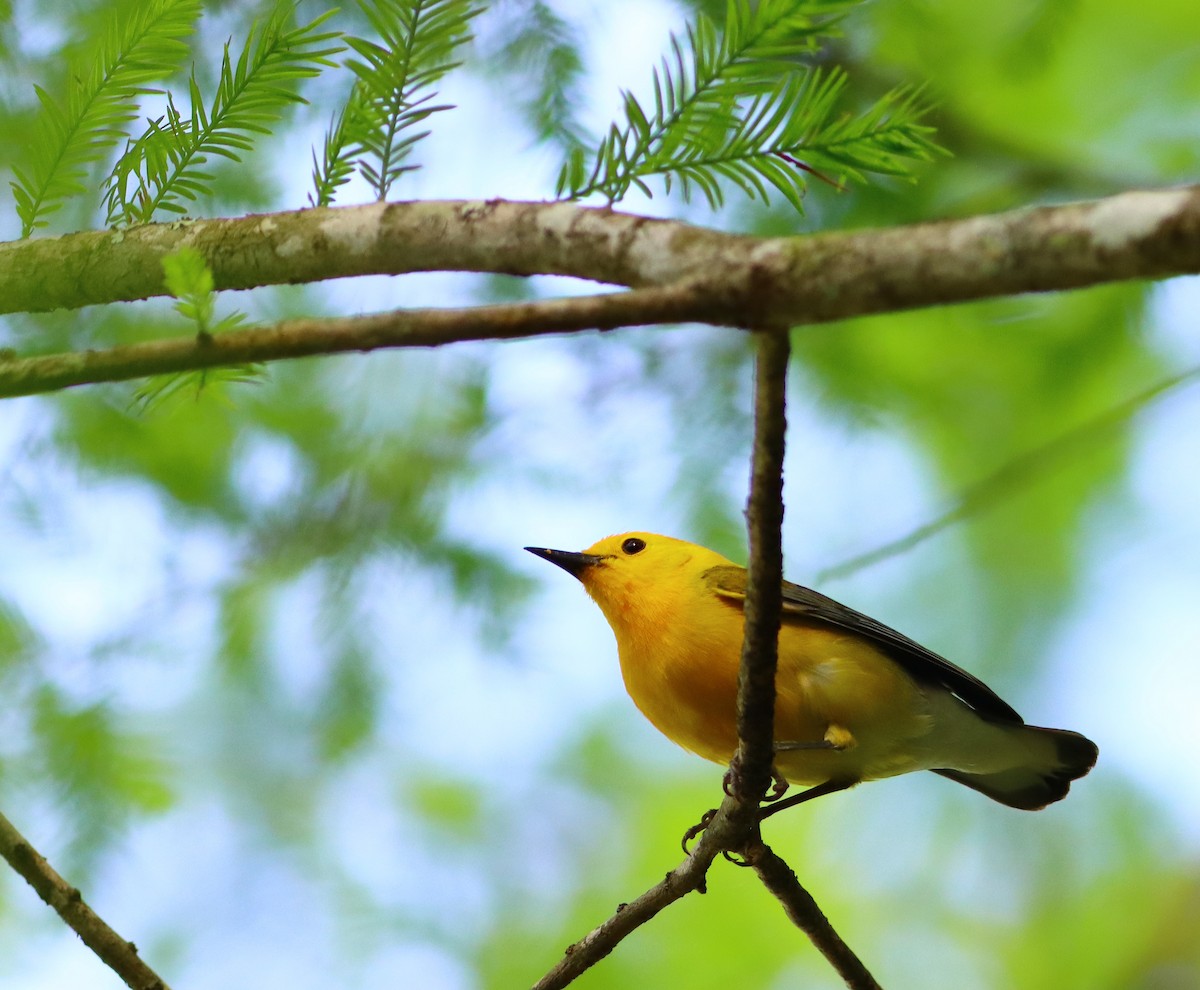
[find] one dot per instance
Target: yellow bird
(855, 700)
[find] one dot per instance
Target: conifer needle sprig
(738, 104)
(394, 89)
(189, 280)
(164, 167)
(102, 98)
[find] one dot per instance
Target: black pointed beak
(571, 562)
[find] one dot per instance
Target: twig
(805, 167)
(727, 830)
(779, 879)
(1019, 471)
(118, 954)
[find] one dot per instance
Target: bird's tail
(1034, 785)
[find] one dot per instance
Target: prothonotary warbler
(855, 700)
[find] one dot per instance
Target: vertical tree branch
(734, 827)
(760, 654)
(764, 515)
(119, 955)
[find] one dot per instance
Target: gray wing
(921, 664)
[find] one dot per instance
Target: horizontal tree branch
(680, 273)
(803, 279)
(307, 337)
(120, 955)
(301, 246)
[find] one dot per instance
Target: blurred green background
(281, 692)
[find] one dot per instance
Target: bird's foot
(733, 785)
(779, 786)
(737, 859)
(696, 829)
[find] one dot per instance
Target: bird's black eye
(633, 545)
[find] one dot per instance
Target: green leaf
(101, 100)
(542, 67)
(103, 773)
(738, 105)
(336, 165)
(189, 279)
(163, 168)
(162, 391)
(393, 91)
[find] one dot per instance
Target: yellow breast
(682, 675)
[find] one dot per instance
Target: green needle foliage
(338, 159)
(541, 49)
(163, 168)
(738, 104)
(393, 90)
(101, 100)
(190, 281)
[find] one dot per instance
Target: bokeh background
(281, 692)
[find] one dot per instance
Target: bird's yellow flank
(855, 700)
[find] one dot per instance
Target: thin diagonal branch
(1016, 473)
(806, 915)
(119, 955)
(727, 830)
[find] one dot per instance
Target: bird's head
(636, 576)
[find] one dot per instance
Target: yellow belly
(829, 686)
